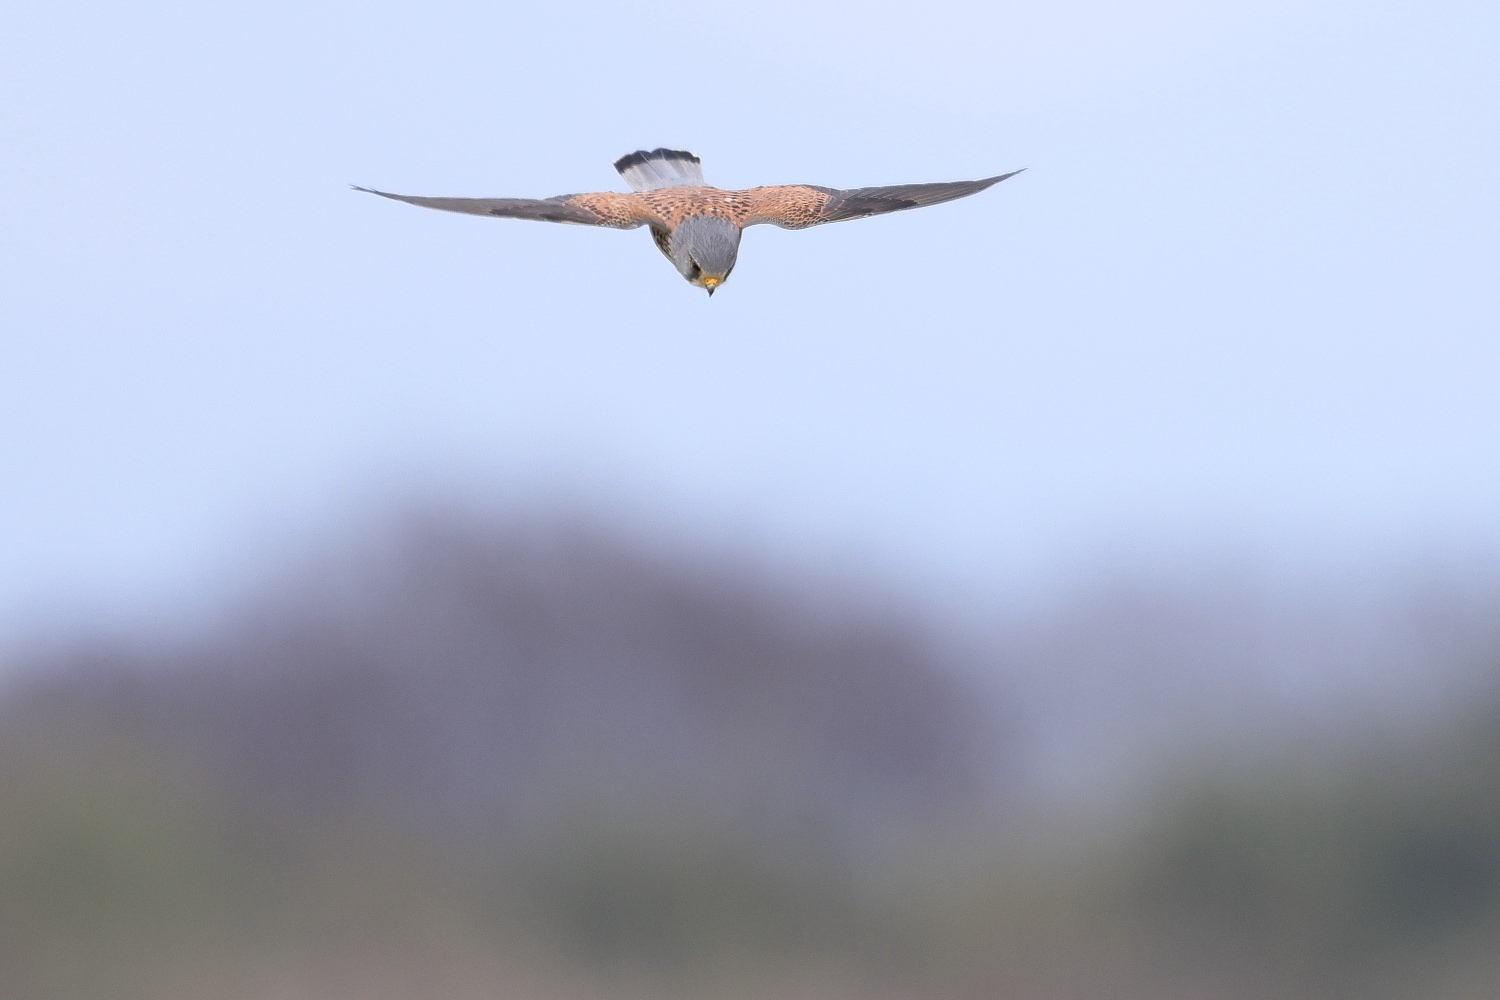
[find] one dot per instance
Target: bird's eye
(696, 272)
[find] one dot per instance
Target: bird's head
(704, 249)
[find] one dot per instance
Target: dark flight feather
(860, 203)
(538, 209)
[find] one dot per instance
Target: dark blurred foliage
(472, 759)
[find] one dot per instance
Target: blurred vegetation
(379, 796)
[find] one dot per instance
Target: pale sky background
(1243, 301)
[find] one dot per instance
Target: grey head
(704, 249)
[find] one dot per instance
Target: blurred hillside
(505, 676)
(471, 758)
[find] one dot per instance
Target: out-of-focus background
(1087, 589)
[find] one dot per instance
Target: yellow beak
(711, 283)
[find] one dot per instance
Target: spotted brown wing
(800, 206)
(608, 208)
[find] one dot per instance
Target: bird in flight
(696, 226)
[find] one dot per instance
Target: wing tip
(1002, 177)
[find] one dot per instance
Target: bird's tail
(660, 168)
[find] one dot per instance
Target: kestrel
(696, 226)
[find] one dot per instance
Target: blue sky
(1243, 301)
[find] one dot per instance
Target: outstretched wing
(606, 208)
(798, 206)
